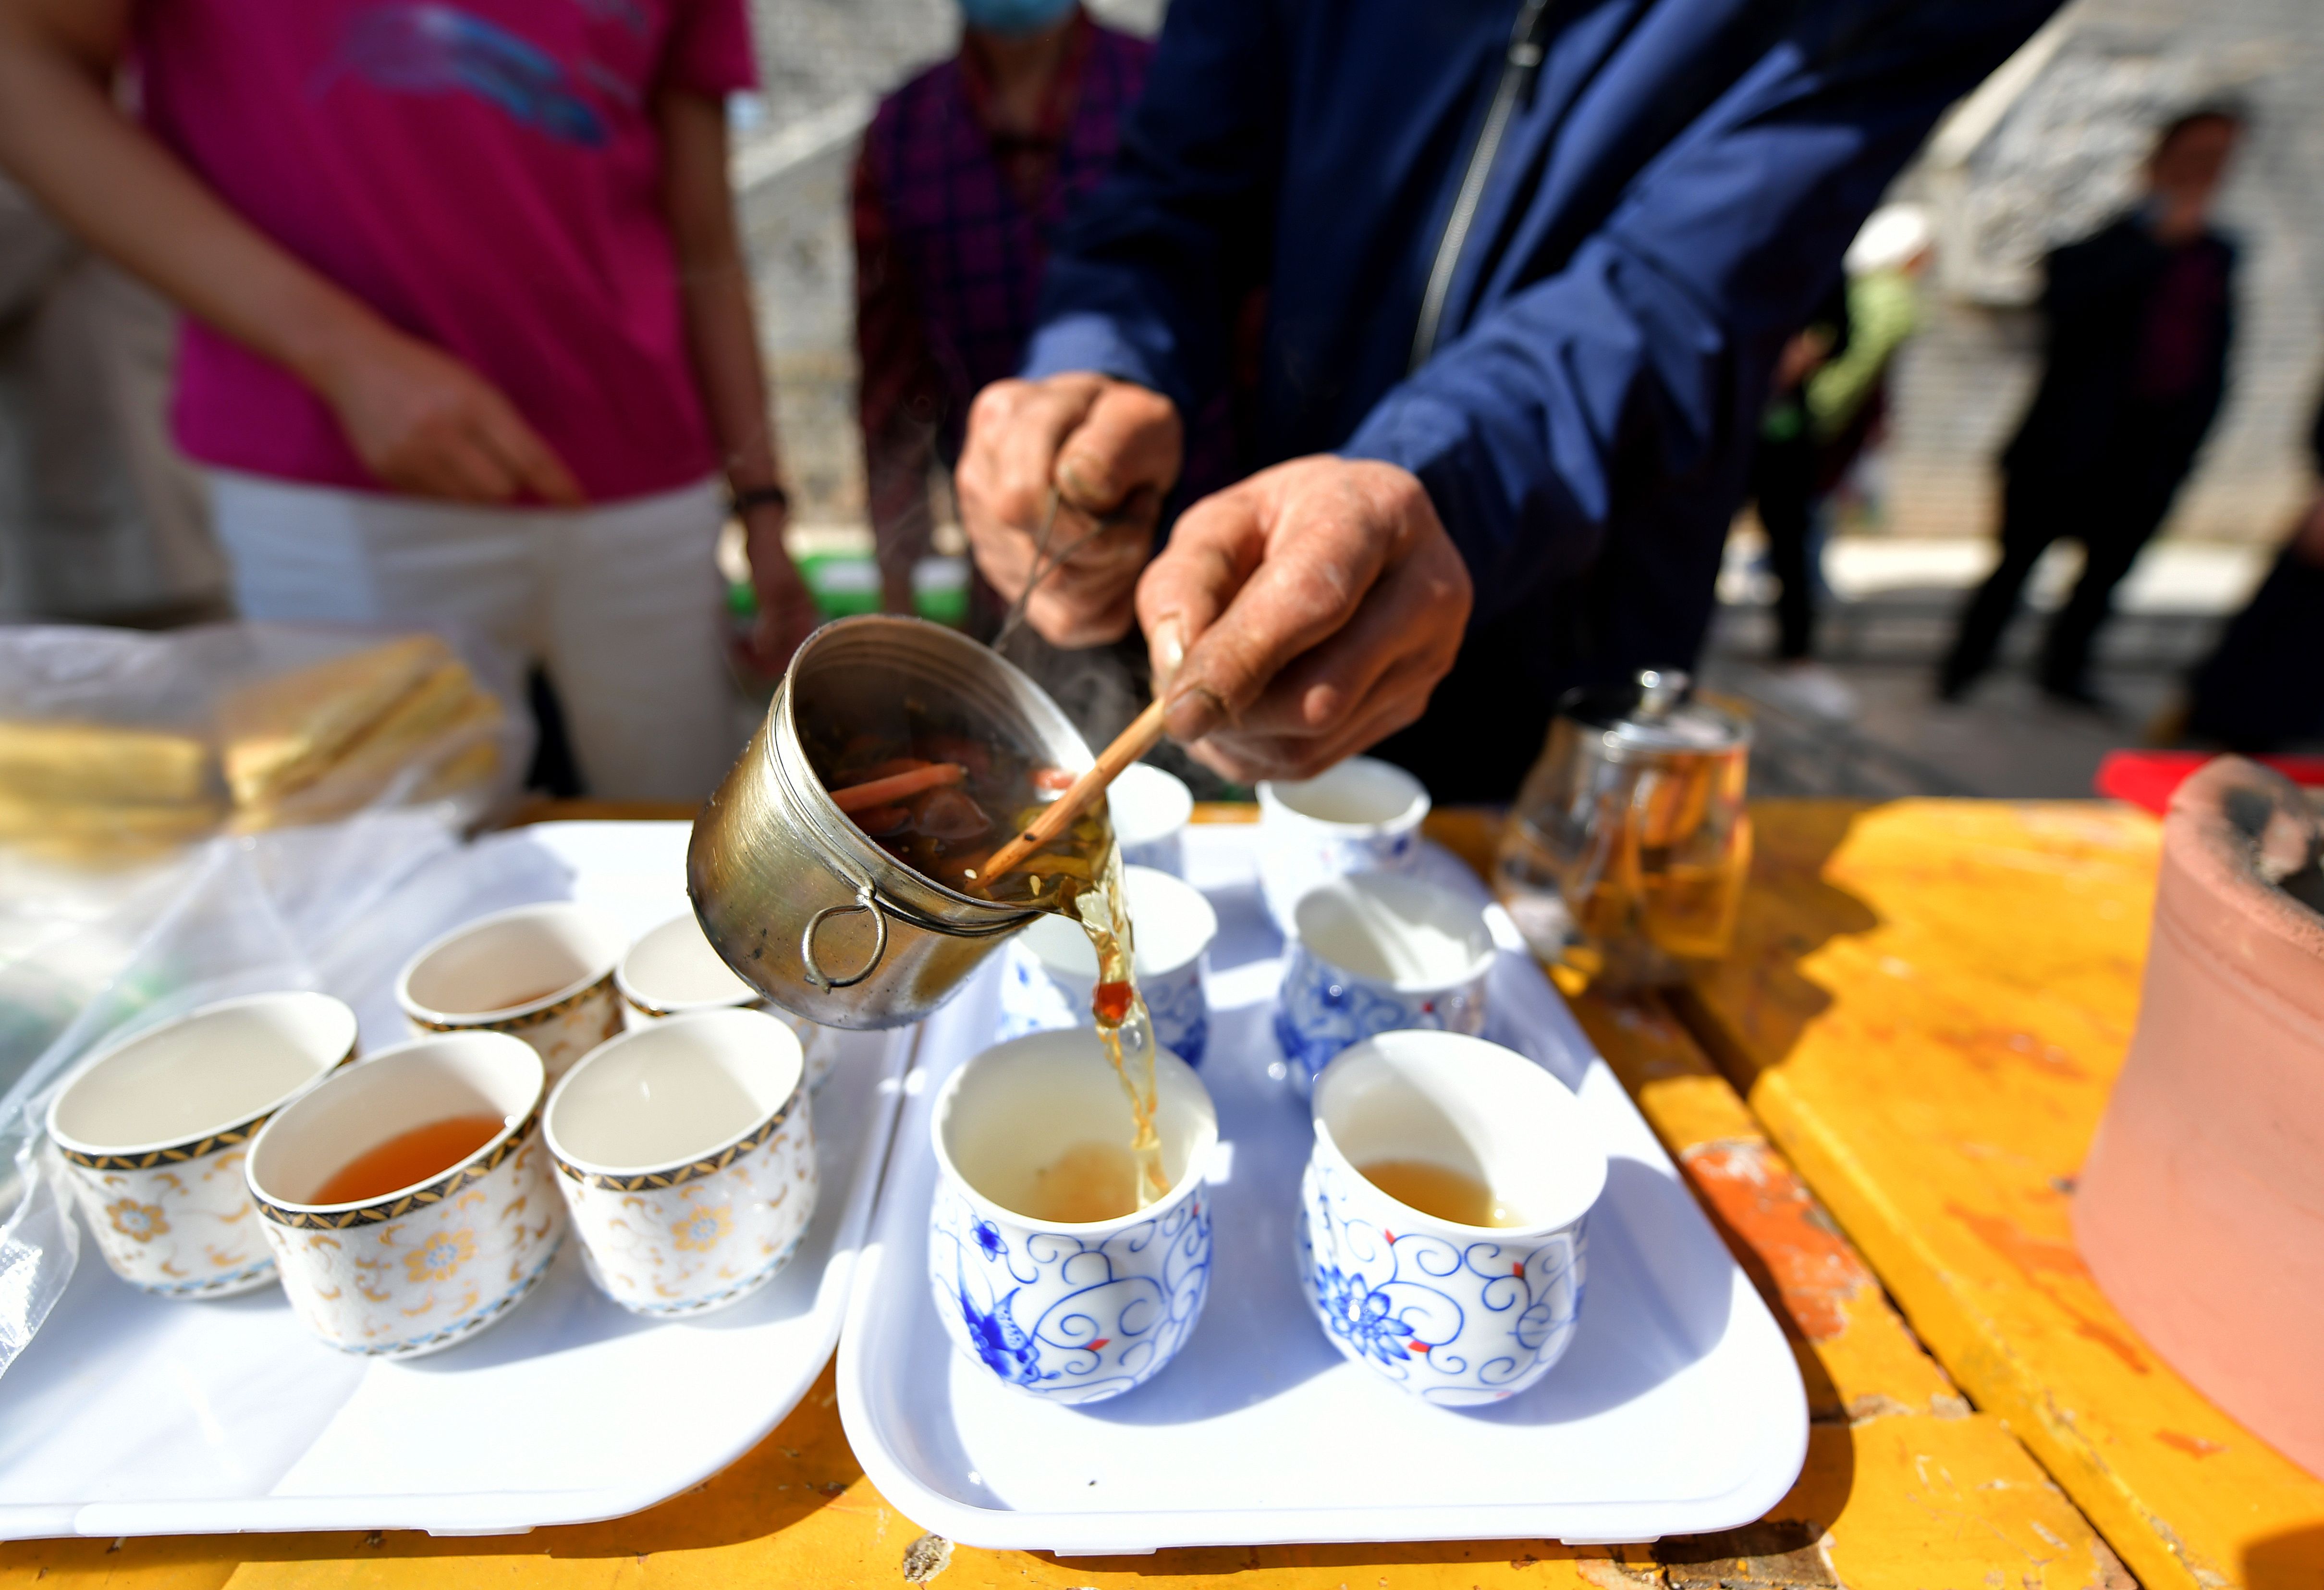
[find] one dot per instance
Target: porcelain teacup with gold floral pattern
(673, 971)
(542, 973)
(687, 1155)
(418, 1268)
(154, 1128)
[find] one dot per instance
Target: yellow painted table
(1926, 1006)
(1905, 1486)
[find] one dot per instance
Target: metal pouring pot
(792, 894)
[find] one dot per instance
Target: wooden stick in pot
(1143, 733)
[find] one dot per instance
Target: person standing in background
(965, 173)
(2141, 319)
(470, 338)
(1809, 442)
(101, 520)
(1783, 475)
(2262, 689)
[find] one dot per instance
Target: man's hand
(1300, 616)
(786, 610)
(428, 424)
(1111, 450)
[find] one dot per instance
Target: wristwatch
(759, 496)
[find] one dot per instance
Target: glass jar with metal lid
(1626, 853)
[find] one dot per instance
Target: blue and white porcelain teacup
(1455, 1311)
(1375, 953)
(1363, 816)
(1149, 808)
(1072, 1310)
(1051, 972)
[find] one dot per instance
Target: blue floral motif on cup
(1321, 1010)
(1032, 1002)
(1078, 1320)
(1455, 1322)
(1182, 1017)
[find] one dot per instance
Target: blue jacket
(1668, 202)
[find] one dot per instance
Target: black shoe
(2079, 694)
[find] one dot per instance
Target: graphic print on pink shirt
(485, 175)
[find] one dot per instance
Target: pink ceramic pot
(2202, 1208)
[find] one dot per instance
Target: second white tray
(135, 1415)
(1678, 1409)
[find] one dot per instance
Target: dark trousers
(2113, 507)
(1783, 484)
(2263, 688)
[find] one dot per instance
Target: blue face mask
(1013, 16)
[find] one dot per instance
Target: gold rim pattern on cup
(435, 1192)
(179, 1153)
(517, 1023)
(653, 1181)
(759, 1003)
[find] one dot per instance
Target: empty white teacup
(1072, 1310)
(1051, 971)
(1149, 808)
(673, 971)
(1363, 815)
(155, 1127)
(411, 1268)
(1374, 953)
(540, 973)
(685, 1153)
(1474, 1300)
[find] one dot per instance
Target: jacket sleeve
(1646, 358)
(1142, 279)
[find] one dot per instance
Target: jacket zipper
(1527, 47)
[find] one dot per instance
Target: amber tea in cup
(1441, 1192)
(1089, 1181)
(409, 1158)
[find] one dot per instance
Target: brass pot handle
(865, 900)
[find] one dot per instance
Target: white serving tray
(133, 1415)
(1678, 1409)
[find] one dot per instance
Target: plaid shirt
(952, 223)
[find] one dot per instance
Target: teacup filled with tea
(408, 1199)
(1051, 1266)
(1441, 1222)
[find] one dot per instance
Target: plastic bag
(334, 907)
(119, 747)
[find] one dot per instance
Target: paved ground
(1890, 619)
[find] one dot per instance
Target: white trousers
(618, 604)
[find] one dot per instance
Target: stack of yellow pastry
(95, 791)
(405, 721)
(405, 718)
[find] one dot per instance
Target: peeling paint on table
(1926, 1006)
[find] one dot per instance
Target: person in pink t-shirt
(470, 336)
